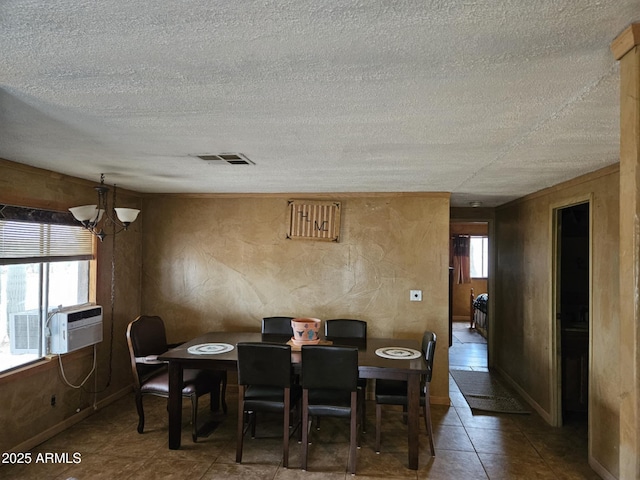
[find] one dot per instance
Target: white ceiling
(487, 99)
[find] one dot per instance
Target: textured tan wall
(224, 263)
(25, 397)
(523, 302)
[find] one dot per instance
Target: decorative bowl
(305, 331)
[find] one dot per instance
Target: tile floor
(468, 446)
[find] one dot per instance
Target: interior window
(43, 266)
(479, 256)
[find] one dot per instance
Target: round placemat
(398, 353)
(210, 348)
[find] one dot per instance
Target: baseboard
(461, 318)
(113, 397)
(69, 422)
(532, 403)
(600, 470)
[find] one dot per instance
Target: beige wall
(223, 263)
(523, 303)
(26, 416)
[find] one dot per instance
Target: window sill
(47, 363)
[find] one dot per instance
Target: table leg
(413, 420)
(175, 404)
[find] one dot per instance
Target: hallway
(469, 349)
(510, 446)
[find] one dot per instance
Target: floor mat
(485, 392)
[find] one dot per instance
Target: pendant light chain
(112, 295)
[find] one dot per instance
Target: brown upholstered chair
(146, 338)
(394, 392)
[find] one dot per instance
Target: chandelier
(90, 216)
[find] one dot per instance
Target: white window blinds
(29, 242)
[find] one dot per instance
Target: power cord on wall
(93, 369)
(112, 301)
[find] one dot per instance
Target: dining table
(376, 359)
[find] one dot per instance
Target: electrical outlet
(415, 295)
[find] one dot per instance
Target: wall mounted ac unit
(75, 328)
(24, 332)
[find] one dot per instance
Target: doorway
(572, 309)
(468, 345)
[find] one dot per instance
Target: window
(44, 264)
(479, 256)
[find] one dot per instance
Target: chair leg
(378, 425)
(253, 419)
(240, 433)
(219, 394)
(214, 398)
(428, 423)
(363, 409)
(140, 413)
(223, 394)
(285, 439)
(305, 427)
(353, 441)
(194, 416)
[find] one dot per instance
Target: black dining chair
(347, 328)
(146, 339)
(394, 392)
(330, 388)
(277, 326)
(265, 385)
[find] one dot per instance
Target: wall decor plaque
(314, 220)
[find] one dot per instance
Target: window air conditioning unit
(24, 332)
(75, 328)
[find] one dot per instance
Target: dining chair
(344, 328)
(277, 326)
(265, 385)
(146, 339)
(394, 392)
(330, 388)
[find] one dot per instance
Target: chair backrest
(429, 352)
(345, 328)
(262, 363)
(330, 367)
(146, 336)
(277, 325)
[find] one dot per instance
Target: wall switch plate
(415, 295)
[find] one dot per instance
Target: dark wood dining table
(370, 365)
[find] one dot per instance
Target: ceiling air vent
(230, 158)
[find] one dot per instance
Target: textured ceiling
(488, 100)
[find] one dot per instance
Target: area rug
(483, 391)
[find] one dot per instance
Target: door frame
(555, 331)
